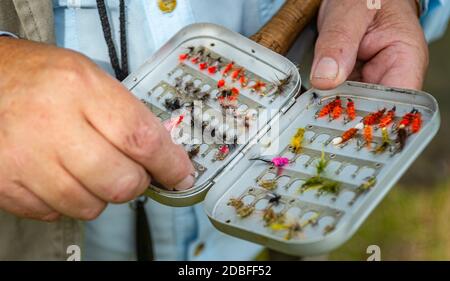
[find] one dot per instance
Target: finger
(395, 66)
(104, 170)
(135, 131)
(16, 199)
(342, 25)
(61, 191)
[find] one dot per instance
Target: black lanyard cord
(121, 72)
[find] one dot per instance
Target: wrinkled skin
(73, 139)
(385, 46)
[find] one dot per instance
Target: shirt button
(167, 6)
(199, 249)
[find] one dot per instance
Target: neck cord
(121, 71)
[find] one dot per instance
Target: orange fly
(346, 136)
(387, 119)
(374, 118)
(337, 109)
(351, 112)
(243, 81)
(327, 109)
(368, 135)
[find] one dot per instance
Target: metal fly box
(297, 173)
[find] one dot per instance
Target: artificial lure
(235, 74)
(222, 152)
(227, 68)
(281, 84)
(203, 66)
(270, 217)
(350, 110)
(321, 164)
(228, 97)
(236, 203)
(363, 188)
(258, 86)
(268, 184)
(337, 110)
(387, 119)
(327, 109)
(194, 151)
(185, 56)
(277, 162)
(243, 81)
(402, 133)
(368, 135)
(373, 118)
(220, 83)
(275, 199)
(347, 135)
(386, 141)
(172, 103)
(322, 185)
(245, 211)
(315, 99)
(416, 122)
(174, 122)
(212, 69)
(297, 140)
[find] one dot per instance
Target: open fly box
(298, 173)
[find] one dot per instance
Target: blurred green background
(413, 221)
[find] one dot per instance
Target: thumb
(342, 25)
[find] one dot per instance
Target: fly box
(297, 173)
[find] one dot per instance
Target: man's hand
(73, 139)
(385, 46)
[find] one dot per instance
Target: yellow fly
(297, 140)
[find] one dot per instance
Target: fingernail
(186, 183)
(327, 68)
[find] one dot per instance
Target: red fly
(228, 68)
(258, 86)
(203, 66)
(416, 122)
(220, 83)
(212, 69)
(183, 57)
(374, 118)
(235, 74)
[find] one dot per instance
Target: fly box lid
(297, 173)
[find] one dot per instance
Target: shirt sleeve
(434, 18)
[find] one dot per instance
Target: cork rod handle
(281, 31)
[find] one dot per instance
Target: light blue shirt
(178, 233)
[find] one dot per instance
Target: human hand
(72, 138)
(385, 46)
